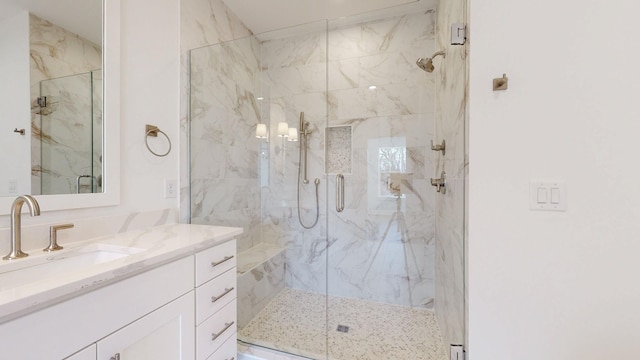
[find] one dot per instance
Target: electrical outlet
(170, 188)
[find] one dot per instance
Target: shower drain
(343, 328)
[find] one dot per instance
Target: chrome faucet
(16, 229)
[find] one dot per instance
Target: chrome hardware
(232, 358)
(53, 237)
(16, 230)
(115, 357)
(440, 147)
(41, 101)
(216, 298)
(339, 193)
(226, 258)
(501, 83)
(440, 183)
(226, 327)
(19, 131)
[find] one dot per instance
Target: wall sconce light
(283, 129)
(293, 134)
(261, 131)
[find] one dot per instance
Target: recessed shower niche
(338, 149)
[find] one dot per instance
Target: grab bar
(339, 193)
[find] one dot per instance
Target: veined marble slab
(159, 245)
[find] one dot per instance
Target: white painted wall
(14, 103)
(554, 285)
(150, 89)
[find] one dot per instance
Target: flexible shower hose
(316, 182)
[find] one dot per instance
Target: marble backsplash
(36, 237)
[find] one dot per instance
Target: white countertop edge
(183, 240)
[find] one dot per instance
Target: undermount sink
(41, 267)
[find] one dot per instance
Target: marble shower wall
(382, 245)
(203, 23)
(293, 80)
(389, 124)
(242, 181)
(65, 68)
(224, 150)
(450, 221)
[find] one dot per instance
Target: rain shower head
(426, 64)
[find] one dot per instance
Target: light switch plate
(548, 196)
(170, 188)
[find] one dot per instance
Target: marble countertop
(140, 250)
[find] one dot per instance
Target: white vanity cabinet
(216, 296)
(165, 334)
(158, 314)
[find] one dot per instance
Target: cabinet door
(165, 334)
(88, 353)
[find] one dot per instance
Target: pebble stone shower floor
(295, 320)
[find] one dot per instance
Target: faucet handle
(53, 237)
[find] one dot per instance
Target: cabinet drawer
(228, 350)
(213, 295)
(215, 261)
(212, 333)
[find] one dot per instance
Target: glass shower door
(389, 282)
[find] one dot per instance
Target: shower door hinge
(457, 352)
(458, 34)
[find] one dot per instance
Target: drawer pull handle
(226, 326)
(216, 298)
(117, 357)
(232, 358)
(226, 258)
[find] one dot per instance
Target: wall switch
(13, 186)
(548, 196)
(170, 188)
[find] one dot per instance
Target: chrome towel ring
(151, 130)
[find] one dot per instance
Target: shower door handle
(339, 193)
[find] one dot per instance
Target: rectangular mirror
(60, 104)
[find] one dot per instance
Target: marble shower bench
(260, 278)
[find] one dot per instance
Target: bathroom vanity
(168, 292)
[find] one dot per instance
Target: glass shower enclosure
(348, 251)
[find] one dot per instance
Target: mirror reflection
(53, 130)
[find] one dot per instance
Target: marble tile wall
(238, 180)
(398, 114)
(203, 23)
(36, 237)
(62, 67)
(224, 150)
(450, 221)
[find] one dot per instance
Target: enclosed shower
(348, 251)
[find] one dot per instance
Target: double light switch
(548, 196)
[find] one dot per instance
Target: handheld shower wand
(304, 132)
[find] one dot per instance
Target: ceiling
(261, 16)
(82, 17)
